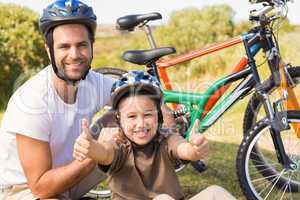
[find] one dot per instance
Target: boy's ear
(117, 114)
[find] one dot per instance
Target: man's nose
(74, 52)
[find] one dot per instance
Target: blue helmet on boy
(134, 83)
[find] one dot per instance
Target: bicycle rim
(277, 183)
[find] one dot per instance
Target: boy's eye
(148, 114)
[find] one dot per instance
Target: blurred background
(187, 25)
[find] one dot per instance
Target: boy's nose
(140, 121)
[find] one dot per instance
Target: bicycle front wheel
(260, 174)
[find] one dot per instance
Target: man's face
(72, 50)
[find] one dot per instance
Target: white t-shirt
(35, 110)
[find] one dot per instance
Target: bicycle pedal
(199, 165)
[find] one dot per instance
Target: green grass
(224, 139)
(220, 171)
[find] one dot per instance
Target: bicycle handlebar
(272, 2)
(268, 6)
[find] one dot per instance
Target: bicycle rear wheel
(111, 71)
(260, 175)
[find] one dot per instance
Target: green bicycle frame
(196, 102)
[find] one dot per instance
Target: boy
(142, 166)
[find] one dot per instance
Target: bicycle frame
(206, 109)
(208, 100)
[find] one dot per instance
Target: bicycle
(253, 160)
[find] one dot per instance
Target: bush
(192, 28)
(22, 47)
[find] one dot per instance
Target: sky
(108, 11)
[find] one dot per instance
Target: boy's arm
(196, 148)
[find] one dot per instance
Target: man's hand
(198, 142)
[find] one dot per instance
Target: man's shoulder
(102, 83)
(39, 81)
(95, 76)
(33, 93)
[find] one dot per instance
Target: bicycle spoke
(275, 183)
(266, 159)
(269, 184)
(286, 186)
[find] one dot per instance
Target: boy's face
(72, 49)
(138, 118)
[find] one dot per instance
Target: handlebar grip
(259, 1)
(268, 1)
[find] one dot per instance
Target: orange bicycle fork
(291, 103)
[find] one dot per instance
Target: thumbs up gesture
(198, 142)
(84, 144)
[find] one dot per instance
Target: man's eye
(63, 47)
(83, 45)
(131, 116)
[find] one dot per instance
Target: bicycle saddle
(143, 57)
(129, 22)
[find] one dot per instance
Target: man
(43, 117)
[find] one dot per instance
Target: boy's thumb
(86, 129)
(195, 127)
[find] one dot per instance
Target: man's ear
(48, 51)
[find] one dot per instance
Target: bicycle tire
(251, 172)
(254, 105)
(110, 71)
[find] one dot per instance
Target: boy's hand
(198, 142)
(83, 146)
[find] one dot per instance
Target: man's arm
(43, 181)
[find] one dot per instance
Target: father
(43, 117)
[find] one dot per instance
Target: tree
(192, 28)
(21, 47)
